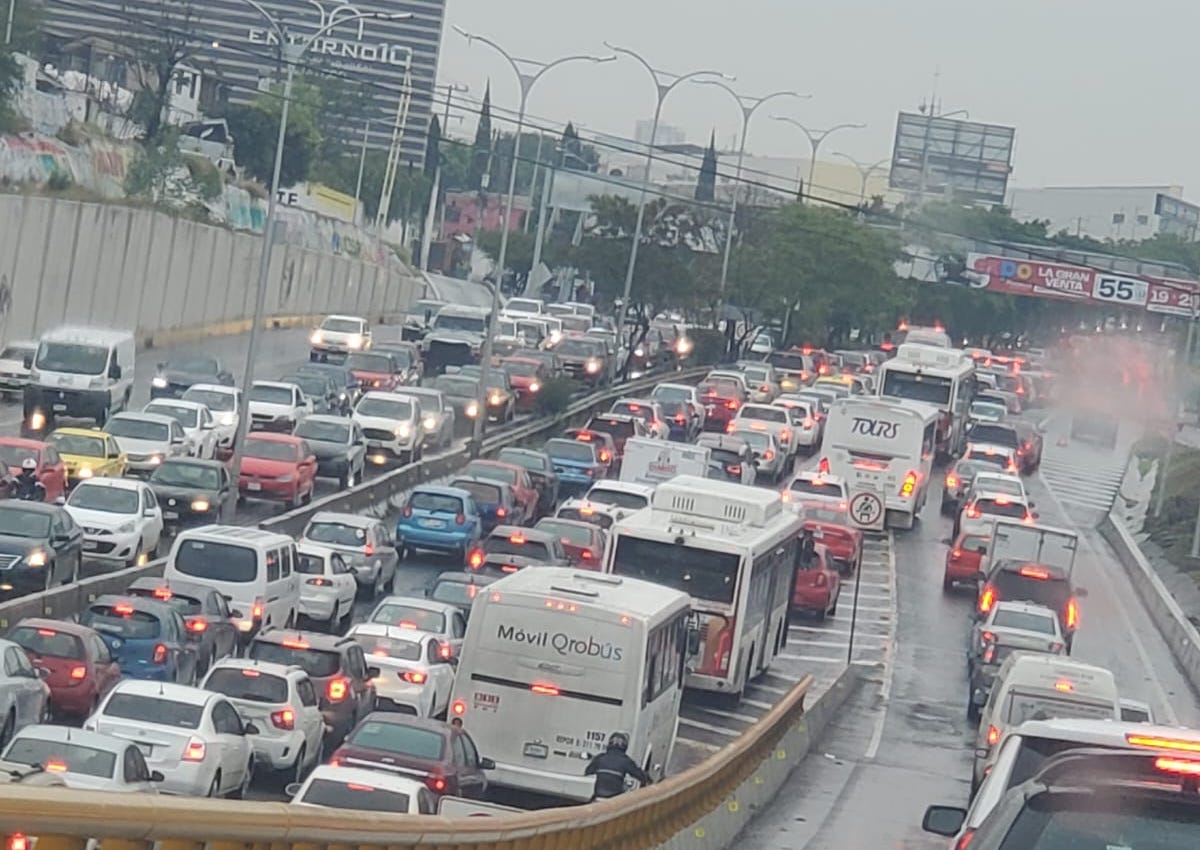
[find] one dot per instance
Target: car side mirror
(292, 788)
(157, 776)
(486, 764)
(41, 673)
(225, 378)
(208, 426)
(944, 820)
(150, 513)
(373, 673)
(250, 729)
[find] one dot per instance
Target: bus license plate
(170, 514)
(537, 751)
(59, 408)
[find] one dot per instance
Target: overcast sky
(1101, 92)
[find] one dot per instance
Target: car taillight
(459, 708)
(910, 484)
(1072, 615)
(808, 422)
(605, 457)
(436, 784)
(768, 455)
(337, 690)
(993, 736)
(734, 469)
(195, 750)
(460, 519)
(731, 427)
(820, 580)
(823, 466)
(319, 582)
(407, 512)
(476, 560)
(987, 599)
(369, 550)
(724, 645)
(256, 611)
(732, 404)
(955, 554)
(285, 718)
(160, 654)
(17, 841)
(78, 672)
(586, 555)
(973, 512)
(501, 512)
(197, 625)
(415, 677)
(445, 650)
(1012, 468)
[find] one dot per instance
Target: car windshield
(1024, 620)
(460, 593)
(40, 641)
(703, 573)
(315, 662)
(342, 326)
(436, 503)
(457, 387)
(361, 361)
(188, 417)
(577, 347)
(399, 738)
(272, 394)
(138, 429)
(524, 368)
(154, 710)
(311, 385)
(15, 522)
(484, 494)
(100, 497)
(79, 445)
(602, 495)
(355, 796)
(72, 358)
(410, 617)
(571, 450)
(271, 450)
(248, 684)
(468, 324)
(175, 473)
(568, 533)
(62, 756)
(212, 399)
(385, 408)
(336, 533)
(381, 646)
(215, 561)
(323, 431)
(14, 456)
(121, 620)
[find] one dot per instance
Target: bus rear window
(707, 575)
(925, 388)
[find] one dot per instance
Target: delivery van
(78, 373)
(652, 462)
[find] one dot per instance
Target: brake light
(369, 549)
(1181, 766)
(1072, 615)
(1035, 572)
(734, 469)
(823, 466)
(993, 736)
(435, 783)
(808, 422)
(987, 599)
(319, 582)
(79, 672)
(1064, 686)
(296, 644)
(955, 554)
(459, 708)
(973, 512)
(17, 841)
(476, 559)
(586, 554)
(123, 608)
(731, 427)
(415, 677)
(1158, 743)
(732, 404)
(195, 750)
(634, 408)
(285, 718)
(910, 484)
(584, 436)
(56, 766)
(160, 654)
(163, 593)
(820, 580)
(251, 674)
(47, 632)
(544, 690)
(197, 625)
(256, 612)
(1002, 500)
(445, 650)
(605, 457)
(768, 455)
(822, 369)
(407, 512)
(460, 519)
(337, 690)
(1012, 468)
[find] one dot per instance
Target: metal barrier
(701, 809)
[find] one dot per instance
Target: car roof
(534, 535)
(475, 479)
(427, 723)
(165, 690)
(614, 485)
(984, 493)
(278, 384)
(344, 316)
(1102, 732)
(272, 668)
(417, 602)
(721, 441)
(819, 477)
(238, 534)
(81, 432)
(493, 464)
(138, 603)
(990, 448)
(328, 419)
(67, 627)
(573, 523)
(394, 632)
(315, 640)
(615, 418)
(173, 402)
(23, 443)
(1024, 607)
(440, 490)
(356, 520)
(517, 450)
(190, 461)
(36, 507)
(183, 588)
(481, 578)
(221, 388)
(382, 396)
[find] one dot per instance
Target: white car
(650, 412)
(199, 426)
(147, 439)
(120, 517)
(771, 460)
(328, 586)
(524, 306)
(1003, 458)
(224, 404)
(599, 515)
(392, 426)
(762, 344)
(360, 789)
(437, 416)
(277, 406)
(279, 699)
(764, 387)
(685, 393)
(416, 613)
(810, 487)
(15, 361)
(806, 422)
(86, 761)
(194, 737)
(627, 496)
(340, 335)
(769, 418)
(980, 513)
(24, 697)
(416, 673)
(997, 482)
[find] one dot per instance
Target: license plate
(90, 545)
(170, 514)
(537, 751)
(253, 485)
(432, 523)
(59, 408)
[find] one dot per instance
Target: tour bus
(941, 377)
(888, 443)
(734, 549)
(555, 660)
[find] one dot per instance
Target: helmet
(29, 465)
(618, 741)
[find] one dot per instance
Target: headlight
(85, 472)
(430, 423)
(592, 367)
(639, 352)
(126, 527)
(200, 505)
(403, 430)
(355, 341)
(159, 381)
(316, 338)
(683, 346)
(472, 409)
(555, 337)
(534, 386)
(227, 418)
(284, 478)
(154, 460)
(494, 399)
(36, 558)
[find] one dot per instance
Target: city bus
(941, 377)
(734, 550)
(555, 660)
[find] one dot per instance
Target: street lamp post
(864, 172)
(293, 52)
(661, 91)
(815, 137)
(527, 82)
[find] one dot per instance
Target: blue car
(495, 500)
(577, 463)
(147, 638)
(444, 519)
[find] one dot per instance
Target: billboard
(937, 156)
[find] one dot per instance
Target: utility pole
(362, 164)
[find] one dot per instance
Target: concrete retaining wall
(68, 261)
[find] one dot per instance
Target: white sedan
(194, 737)
(416, 671)
(120, 517)
(147, 439)
(224, 403)
(88, 761)
(24, 697)
(199, 426)
(328, 586)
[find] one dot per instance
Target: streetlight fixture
(293, 52)
(661, 91)
(864, 171)
(815, 137)
(527, 82)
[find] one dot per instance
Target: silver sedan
(24, 697)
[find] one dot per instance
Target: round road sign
(866, 509)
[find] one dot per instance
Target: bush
(708, 347)
(205, 176)
(556, 394)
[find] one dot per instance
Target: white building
(1109, 212)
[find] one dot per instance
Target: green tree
(255, 129)
(481, 151)
(706, 181)
(410, 192)
(342, 108)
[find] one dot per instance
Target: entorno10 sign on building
(233, 38)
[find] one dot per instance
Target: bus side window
(650, 683)
(682, 645)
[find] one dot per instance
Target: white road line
(818, 659)
(889, 657)
(732, 715)
(754, 703)
(705, 745)
(828, 631)
(728, 733)
(771, 689)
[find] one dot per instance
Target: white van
(1037, 686)
(254, 570)
(890, 444)
(79, 373)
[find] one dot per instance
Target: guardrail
(703, 808)
(373, 497)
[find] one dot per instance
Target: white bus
(941, 377)
(733, 549)
(555, 660)
(885, 443)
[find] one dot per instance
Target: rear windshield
(336, 794)
(523, 548)
(997, 458)
(310, 564)
(223, 562)
(726, 456)
(597, 519)
(435, 503)
(315, 662)
(455, 592)
(247, 684)
(576, 535)
(47, 642)
(359, 362)
(185, 605)
(386, 647)
(532, 462)
(997, 435)
(1022, 707)
(1032, 752)
(641, 411)
(994, 507)
(816, 487)
(77, 759)
(336, 534)
(399, 738)
(271, 450)
(575, 450)
(766, 414)
(153, 709)
(617, 498)
(721, 388)
(1025, 621)
(410, 617)
(129, 624)
(618, 430)
(487, 470)
(16, 455)
(484, 494)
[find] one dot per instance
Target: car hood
(17, 366)
(380, 422)
(461, 337)
(99, 519)
(12, 545)
(170, 491)
(142, 447)
(269, 409)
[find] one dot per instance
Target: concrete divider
(1178, 632)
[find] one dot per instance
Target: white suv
(391, 424)
(120, 517)
(340, 335)
(282, 702)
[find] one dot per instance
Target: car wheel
(241, 792)
(833, 610)
(300, 767)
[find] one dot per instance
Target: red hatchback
(81, 669)
(515, 476)
(831, 529)
(277, 466)
(527, 376)
(817, 586)
(51, 470)
(964, 560)
(721, 398)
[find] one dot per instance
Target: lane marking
(732, 715)
(889, 657)
(720, 730)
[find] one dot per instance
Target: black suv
(338, 669)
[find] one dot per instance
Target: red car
(51, 471)
(818, 586)
(721, 397)
(527, 376)
(374, 370)
(843, 543)
(279, 467)
(584, 541)
(515, 476)
(964, 560)
(81, 669)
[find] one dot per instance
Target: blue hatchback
(495, 500)
(577, 463)
(147, 638)
(444, 519)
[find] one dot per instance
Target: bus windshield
(930, 389)
(707, 575)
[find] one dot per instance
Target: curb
(177, 336)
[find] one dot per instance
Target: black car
(339, 445)
(190, 491)
(541, 471)
(206, 616)
(408, 360)
(40, 547)
(459, 589)
(326, 395)
(462, 393)
(349, 388)
(172, 378)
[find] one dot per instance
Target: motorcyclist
(612, 766)
(26, 486)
